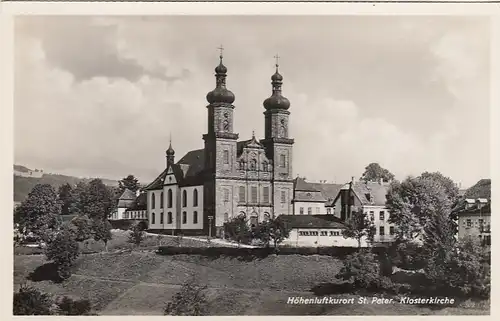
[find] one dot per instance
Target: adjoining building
(474, 219)
(314, 198)
(131, 206)
(370, 197)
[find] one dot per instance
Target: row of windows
(254, 192)
(170, 197)
(135, 214)
(381, 230)
(170, 218)
(381, 215)
(322, 233)
(253, 162)
(479, 223)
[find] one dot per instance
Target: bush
(363, 270)
(68, 306)
(63, 251)
(189, 301)
(30, 301)
(136, 235)
(408, 256)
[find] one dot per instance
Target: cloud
(100, 96)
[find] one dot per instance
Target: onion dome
(170, 150)
(220, 94)
(277, 100)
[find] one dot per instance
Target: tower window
(282, 160)
(253, 165)
(226, 195)
(254, 194)
(283, 196)
(242, 194)
(266, 194)
(226, 156)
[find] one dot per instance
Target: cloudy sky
(99, 96)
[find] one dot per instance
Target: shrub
(81, 227)
(362, 269)
(68, 306)
(136, 235)
(63, 251)
(30, 301)
(189, 301)
(408, 256)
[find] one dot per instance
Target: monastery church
(228, 177)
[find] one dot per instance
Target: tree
(481, 189)
(63, 251)
(39, 213)
(68, 306)
(275, 230)
(362, 269)
(81, 227)
(359, 226)
(65, 194)
(30, 301)
(238, 230)
(374, 173)
(136, 235)
(94, 199)
(129, 182)
(102, 232)
(413, 202)
(191, 300)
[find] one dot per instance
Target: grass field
(139, 283)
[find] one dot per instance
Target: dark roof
(330, 191)
(188, 170)
(300, 184)
(139, 203)
(312, 221)
(371, 193)
(315, 192)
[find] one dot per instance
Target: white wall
(377, 210)
(298, 240)
(190, 208)
(317, 208)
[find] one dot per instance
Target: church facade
(228, 177)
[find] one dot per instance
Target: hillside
(481, 189)
(24, 185)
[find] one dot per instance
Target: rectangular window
(391, 230)
(382, 215)
(324, 233)
(195, 217)
(161, 218)
(283, 196)
(469, 222)
(242, 194)
(184, 217)
(301, 210)
(254, 194)
(309, 210)
(152, 218)
(317, 210)
(169, 218)
(372, 216)
(382, 230)
(282, 160)
(226, 195)
(328, 211)
(266, 195)
(226, 157)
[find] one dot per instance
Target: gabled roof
(140, 203)
(329, 191)
(312, 221)
(371, 193)
(320, 192)
(187, 171)
(127, 195)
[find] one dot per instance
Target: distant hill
(481, 189)
(24, 185)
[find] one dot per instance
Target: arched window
(169, 218)
(152, 218)
(195, 197)
(161, 218)
(184, 198)
(161, 200)
(184, 217)
(225, 126)
(152, 200)
(195, 217)
(169, 200)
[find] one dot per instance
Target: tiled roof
(311, 221)
(320, 192)
(371, 193)
(330, 191)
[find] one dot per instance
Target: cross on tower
(221, 48)
(277, 60)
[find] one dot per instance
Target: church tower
(279, 144)
(220, 144)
